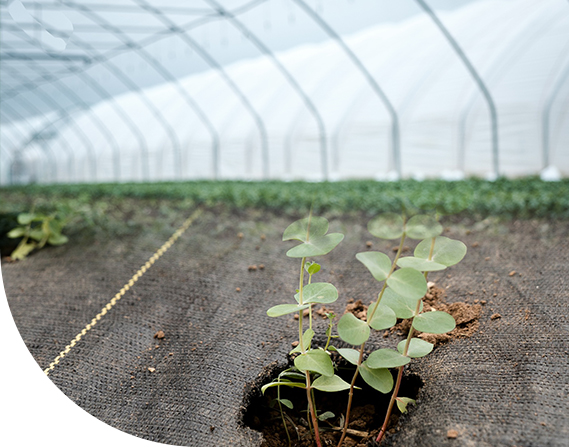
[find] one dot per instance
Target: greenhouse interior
(285, 223)
(276, 90)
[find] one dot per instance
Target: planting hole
(261, 412)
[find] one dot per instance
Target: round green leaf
(316, 246)
(287, 403)
(353, 330)
(403, 307)
(446, 251)
(423, 265)
(315, 360)
(387, 226)
(283, 309)
(422, 227)
(312, 267)
(318, 292)
(386, 358)
(351, 355)
(305, 229)
(376, 262)
(408, 283)
(384, 317)
(435, 322)
(37, 234)
(402, 403)
(379, 379)
(57, 239)
(326, 415)
(17, 232)
(26, 218)
(417, 347)
(330, 384)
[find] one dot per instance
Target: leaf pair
(393, 226)
(446, 252)
(311, 231)
(407, 282)
(316, 293)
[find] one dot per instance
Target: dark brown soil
(366, 416)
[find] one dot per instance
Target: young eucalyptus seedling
(400, 297)
(313, 364)
(36, 230)
(433, 253)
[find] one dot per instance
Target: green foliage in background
(520, 198)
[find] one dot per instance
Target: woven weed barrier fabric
(507, 385)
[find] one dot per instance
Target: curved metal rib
(395, 134)
(477, 79)
(167, 76)
(213, 63)
(529, 31)
(291, 80)
(545, 116)
(64, 115)
(90, 148)
(47, 151)
(74, 98)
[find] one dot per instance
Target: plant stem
(350, 397)
(300, 314)
(303, 351)
(282, 414)
(398, 383)
(393, 265)
(310, 308)
(312, 410)
(405, 350)
(362, 347)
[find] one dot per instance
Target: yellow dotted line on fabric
(125, 288)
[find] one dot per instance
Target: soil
(369, 408)
(466, 315)
(366, 416)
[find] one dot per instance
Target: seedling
(313, 367)
(404, 284)
(36, 230)
(400, 297)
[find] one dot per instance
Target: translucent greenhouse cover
(394, 100)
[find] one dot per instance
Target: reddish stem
(312, 412)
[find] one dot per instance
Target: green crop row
(519, 198)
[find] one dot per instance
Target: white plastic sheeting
(520, 48)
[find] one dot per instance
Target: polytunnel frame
(545, 117)
(78, 131)
(288, 76)
(493, 71)
(192, 43)
(164, 74)
(18, 153)
(104, 58)
(64, 114)
(83, 105)
(479, 81)
(395, 134)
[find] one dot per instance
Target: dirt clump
(466, 315)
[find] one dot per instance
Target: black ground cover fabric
(508, 385)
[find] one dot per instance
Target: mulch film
(506, 385)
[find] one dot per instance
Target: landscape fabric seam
(187, 223)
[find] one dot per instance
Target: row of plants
(525, 197)
(403, 286)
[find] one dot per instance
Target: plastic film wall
(134, 90)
